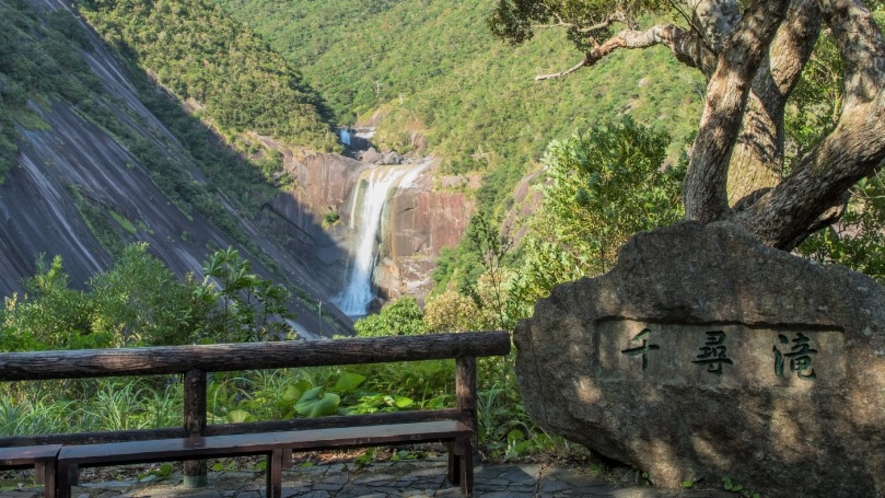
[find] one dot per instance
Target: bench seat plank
(41, 458)
(272, 444)
(245, 444)
(27, 456)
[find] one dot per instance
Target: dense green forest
(438, 79)
(435, 71)
(226, 74)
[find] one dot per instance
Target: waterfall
(355, 298)
(344, 136)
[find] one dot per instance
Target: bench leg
(39, 473)
(275, 473)
(46, 474)
(453, 473)
(63, 479)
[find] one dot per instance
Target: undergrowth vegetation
(139, 302)
(71, 406)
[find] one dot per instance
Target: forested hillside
(226, 74)
(37, 62)
(436, 73)
(430, 74)
(96, 158)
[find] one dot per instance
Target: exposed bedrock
(421, 219)
(423, 213)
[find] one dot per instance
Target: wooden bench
(41, 458)
(276, 439)
(273, 445)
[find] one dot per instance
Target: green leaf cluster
(605, 185)
(249, 308)
(401, 317)
(140, 302)
(598, 189)
(856, 241)
(516, 21)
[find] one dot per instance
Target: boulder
(392, 157)
(703, 354)
(371, 156)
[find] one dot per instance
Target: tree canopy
(753, 55)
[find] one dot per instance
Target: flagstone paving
(423, 478)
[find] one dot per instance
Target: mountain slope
(96, 168)
(436, 74)
(209, 61)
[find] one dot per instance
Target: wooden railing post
(465, 389)
(465, 394)
(196, 472)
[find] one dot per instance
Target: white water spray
(355, 298)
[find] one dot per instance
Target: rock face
(420, 220)
(323, 183)
(705, 354)
(75, 164)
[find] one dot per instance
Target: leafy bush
(602, 187)
(856, 241)
(330, 218)
(401, 317)
(140, 302)
(247, 307)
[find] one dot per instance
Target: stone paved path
(425, 478)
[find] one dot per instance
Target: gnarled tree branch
(617, 17)
(686, 45)
(705, 194)
(854, 150)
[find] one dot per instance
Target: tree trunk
(758, 158)
(855, 149)
(705, 184)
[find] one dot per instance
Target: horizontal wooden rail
(330, 422)
(247, 356)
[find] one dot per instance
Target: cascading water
(355, 298)
(344, 136)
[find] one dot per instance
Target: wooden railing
(195, 362)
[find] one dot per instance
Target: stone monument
(703, 354)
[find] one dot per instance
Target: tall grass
(56, 407)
